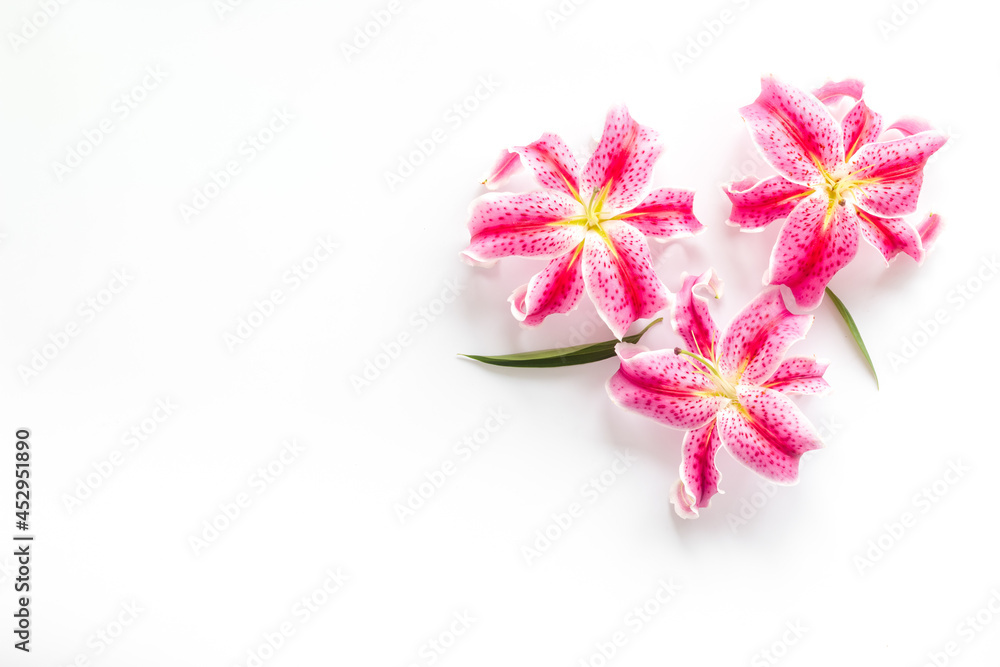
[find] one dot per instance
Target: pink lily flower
(836, 180)
(590, 223)
(727, 390)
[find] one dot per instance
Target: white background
(793, 559)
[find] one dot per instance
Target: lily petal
(623, 161)
(757, 203)
(768, 433)
(555, 289)
(800, 375)
(698, 471)
(794, 131)
(682, 501)
(861, 126)
(890, 236)
(663, 386)
(910, 126)
(618, 272)
(522, 225)
(665, 213)
(816, 241)
(690, 316)
(506, 166)
(888, 174)
(831, 92)
(758, 337)
(929, 230)
(552, 163)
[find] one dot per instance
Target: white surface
(162, 337)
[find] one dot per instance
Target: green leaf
(562, 356)
(854, 331)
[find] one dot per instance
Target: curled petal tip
(715, 283)
(929, 230)
(472, 260)
(507, 164)
(910, 126)
(682, 501)
(832, 91)
(626, 351)
(690, 316)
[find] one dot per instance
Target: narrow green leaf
(854, 331)
(562, 356)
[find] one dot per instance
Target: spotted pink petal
(929, 229)
(663, 386)
(690, 316)
(759, 336)
(698, 471)
(555, 289)
(665, 213)
(910, 126)
(682, 502)
(800, 375)
(552, 163)
(506, 166)
(816, 241)
(861, 126)
(768, 435)
(757, 203)
(794, 131)
(832, 92)
(624, 158)
(618, 273)
(889, 173)
(890, 236)
(522, 225)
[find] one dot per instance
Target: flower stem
(564, 356)
(842, 309)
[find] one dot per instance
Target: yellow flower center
(594, 213)
(724, 386)
(838, 184)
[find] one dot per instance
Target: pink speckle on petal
(890, 173)
(523, 225)
(768, 434)
(664, 387)
(698, 471)
(759, 336)
(556, 289)
(757, 203)
(815, 242)
(665, 213)
(625, 156)
(552, 163)
(618, 273)
(794, 131)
